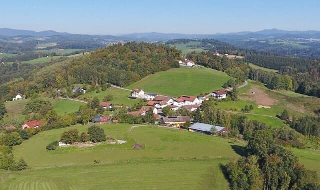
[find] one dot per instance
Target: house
(18, 97)
(173, 107)
(207, 129)
(191, 107)
(163, 101)
(186, 100)
(189, 63)
(220, 94)
(177, 121)
(32, 124)
(78, 89)
(149, 96)
(216, 53)
(105, 105)
(137, 93)
(143, 111)
(101, 119)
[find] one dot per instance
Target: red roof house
(33, 124)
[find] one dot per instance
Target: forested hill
(118, 64)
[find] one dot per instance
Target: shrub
(69, 137)
(53, 145)
(84, 137)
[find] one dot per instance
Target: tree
(24, 134)
(234, 94)
(284, 115)
(13, 139)
(53, 145)
(197, 115)
(167, 111)
(69, 137)
(108, 98)
(84, 137)
(149, 117)
(96, 134)
(51, 117)
(94, 103)
(2, 110)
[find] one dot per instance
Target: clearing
(183, 81)
(262, 68)
(188, 47)
(64, 106)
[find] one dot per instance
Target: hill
(183, 81)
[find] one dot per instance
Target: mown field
(42, 60)
(63, 107)
(180, 159)
(262, 68)
(183, 81)
(119, 96)
(59, 52)
(187, 47)
(2, 55)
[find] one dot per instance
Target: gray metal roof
(205, 127)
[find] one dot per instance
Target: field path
(115, 86)
(73, 100)
(238, 112)
(244, 84)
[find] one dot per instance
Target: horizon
(141, 16)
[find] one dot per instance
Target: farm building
(207, 129)
(186, 100)
(189, 63)
(79, 89)
(105, 105)
(177, 121)
(101, 119)
(149, 96)
(220, 94)
(137, 93)
(18, 97)
(32, 124)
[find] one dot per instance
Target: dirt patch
(260, 97)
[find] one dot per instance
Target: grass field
(187, 47)
(42, 60)
(45, 45)
(59, 52)
(183, 81)
(66, 106)
(180, 159)
(2, 55)
(119, 96)
(262, 68)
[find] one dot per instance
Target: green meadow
(63, 107)
(262, 68)
(59, 52)
(42, 60)
(119, 96)
(188, 47)
(2, 55)
(183, 81)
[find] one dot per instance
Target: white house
(18, 97)
(149, 96)
(186, 100)
(137, 93)
(189, 63)
(220, 94)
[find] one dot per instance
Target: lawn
(2, 55)
(182, 81)
(119, 96)
(42, 60)
(45, 45)
(181, 159)
(59, 52)
(188, 47)
(262, 68)
(66, 106)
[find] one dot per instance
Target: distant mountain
(17, 32)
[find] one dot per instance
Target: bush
(96, 134)
(84, 137)
(69, 137)
(20, 165)
(53, 145)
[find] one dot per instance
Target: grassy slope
(59, 52)
(6, 55)
(183, 81)
(182, 159)
(262, 68)
(42, 60)
(66, 106)
(119, 96)
(185, 49)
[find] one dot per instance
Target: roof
(104, 104)
(176, 119)
(136, 90)
(97, 118)
(135, 113)
(152, 94)
(34, 123)
(205, 127)
(151, 103)
(145, 108)
(161, 98)
(220, 92)
(185, 98)
(187, 61)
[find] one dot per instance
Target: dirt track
(260, 97)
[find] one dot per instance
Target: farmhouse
(143, 111)
(189, 63)
(163, 101)
(78, 89)
(186, 100)
(102, 119)
(207, 129)
(220, 94)
(137, 93)
(105, 105)
(175, 121)
(18, 97)
(32, 124)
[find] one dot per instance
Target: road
(244, 84)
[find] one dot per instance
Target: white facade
(18, 97)
(219, 96)
(190, 63)
(137, 93)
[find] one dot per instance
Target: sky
(166, 16)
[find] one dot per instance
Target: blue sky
(169, 16)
